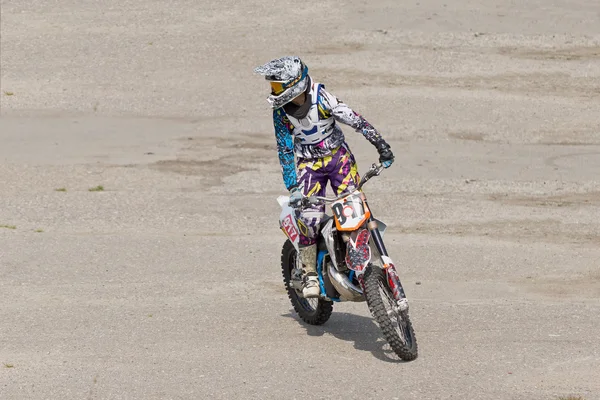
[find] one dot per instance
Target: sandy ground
(166, 285)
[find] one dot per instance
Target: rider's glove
(386, 157)
(295, 197)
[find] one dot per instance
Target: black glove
(386, 157)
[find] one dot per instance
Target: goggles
(278, 87)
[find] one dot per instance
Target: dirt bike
(352, 264)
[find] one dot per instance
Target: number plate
(350, 212)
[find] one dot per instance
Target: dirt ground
(166, 284)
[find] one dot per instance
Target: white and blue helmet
(288, 77)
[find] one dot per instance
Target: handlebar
(375, 170)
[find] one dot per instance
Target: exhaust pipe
(347, 290)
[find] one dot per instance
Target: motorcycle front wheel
(395, 325)
(314, 311)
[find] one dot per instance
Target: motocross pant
(339, 168)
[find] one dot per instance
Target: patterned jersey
(290, 145)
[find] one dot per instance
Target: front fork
(358, 255)
(388, 265)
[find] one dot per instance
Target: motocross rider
(305, 117)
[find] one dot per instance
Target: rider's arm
(285, 148)
(329, 104)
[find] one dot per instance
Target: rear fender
(287, 221)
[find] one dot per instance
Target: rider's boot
(310, 279)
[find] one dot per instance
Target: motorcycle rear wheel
(312, 311)
(395, 325)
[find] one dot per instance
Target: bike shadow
(362, 331)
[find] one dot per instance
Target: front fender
(358, 253)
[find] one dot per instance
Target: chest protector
(312, 129)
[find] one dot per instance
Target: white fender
(287, 221)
